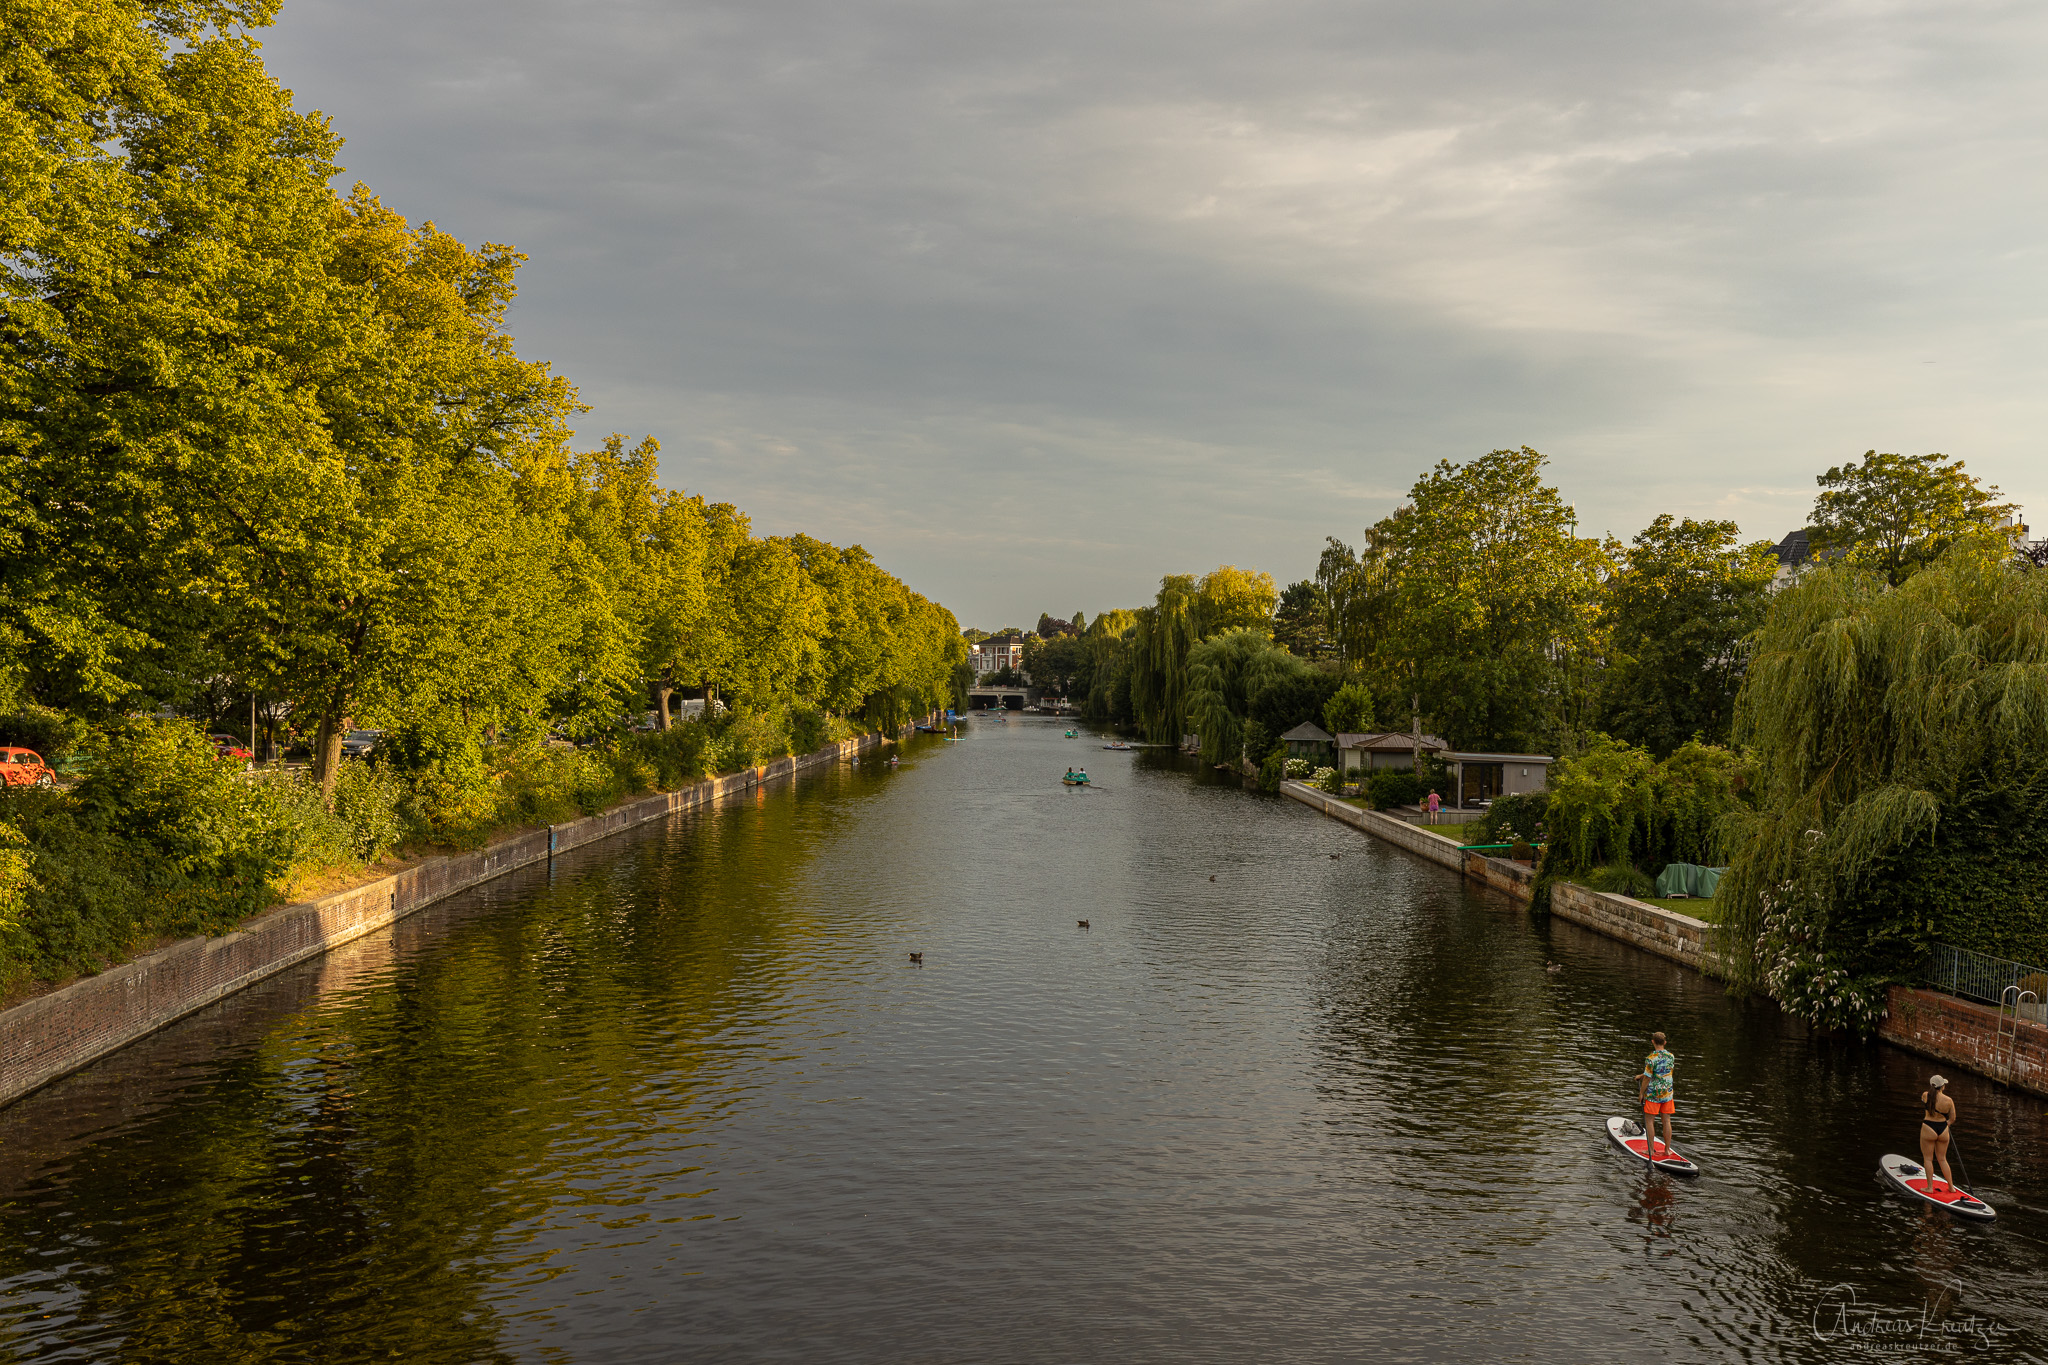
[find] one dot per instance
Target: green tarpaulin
(1689, 879)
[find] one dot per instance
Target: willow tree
(1226, 674)
(1902, 740)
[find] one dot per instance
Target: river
(1293, 1095)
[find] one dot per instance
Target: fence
(1975, 976)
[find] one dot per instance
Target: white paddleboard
(1668, 1158)
(1910, 1177)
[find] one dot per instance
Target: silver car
(358, 743)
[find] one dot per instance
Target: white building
(995, 654)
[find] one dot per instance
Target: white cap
(1936, 1082)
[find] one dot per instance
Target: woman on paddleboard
(1654, 1087)
(1937, 1116)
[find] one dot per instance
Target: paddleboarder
(1654, 1088)
(1937, 1116)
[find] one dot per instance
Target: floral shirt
(1657, 1066)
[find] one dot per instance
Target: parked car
(359, 743)
(25, 768)
(227, 746)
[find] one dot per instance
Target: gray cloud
(1041, 301)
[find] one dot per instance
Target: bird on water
(917, 958)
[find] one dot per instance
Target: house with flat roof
(1473, 777)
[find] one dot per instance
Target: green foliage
(1225, 673)
(1300, 621)
(1892, 727)
(162, 838)
(1897, 514)
(1480, 598)
(1349, 710)
(17, 877)
(1614, 806)
(1621, 879)
(370, 803)
(1386, 788)
(1523, 817)
(1273, 771)
(1675, 615)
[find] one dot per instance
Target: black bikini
(1939, 1126)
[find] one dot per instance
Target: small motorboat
(1118, 747)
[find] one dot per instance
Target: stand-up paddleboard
(1668, 1158)
(1913, 1179)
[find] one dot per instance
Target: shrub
(1271, 771)
(449, 793)
(1513, 818)
(1326, 779)
(369, 806)
(1297, 767)
(1622, 880)
(1394, 787)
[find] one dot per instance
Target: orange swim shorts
(1660, 1106)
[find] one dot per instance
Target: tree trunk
(663, 690)
(327, 754)
(1415, 720)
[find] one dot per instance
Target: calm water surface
(1293, 1096)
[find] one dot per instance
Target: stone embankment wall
(1668, 934)
(55, 1034)
(1965, 1034)
(1959, 1032)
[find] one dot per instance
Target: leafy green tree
(1898, 513)
(1485, 601)
(1901, 738)
(1675, 615)
(1299, 621)
(1062, 665)
(1349, 710)
(1225, 673)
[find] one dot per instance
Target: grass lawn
(1698, 909)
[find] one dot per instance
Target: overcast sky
(1039, 301)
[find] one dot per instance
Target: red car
(25, 768)
(227, 746)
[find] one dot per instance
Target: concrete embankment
(56, 1034)
(1958, 1032)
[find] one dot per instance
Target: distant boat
(1070, 734)
(1119, 746)
(1075, 779)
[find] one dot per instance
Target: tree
(1901, 736)
(1226, 673)
(1299, 622)
(1675, 616)
(1898, 513)
(1484, 599)
(1061, 665)
(1349, 710)
(1230, 598)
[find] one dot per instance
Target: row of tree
(1865, 745)
(256, 431)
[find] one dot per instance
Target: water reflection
(683, 1095)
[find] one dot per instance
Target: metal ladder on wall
(2006, 1046)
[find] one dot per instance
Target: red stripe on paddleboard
(1944, 1195)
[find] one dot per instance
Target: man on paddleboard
(1654, 1088)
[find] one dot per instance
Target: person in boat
(1937, 1116)
(1656, 1090)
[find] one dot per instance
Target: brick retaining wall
(55, 1034)
(1964, 1033)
